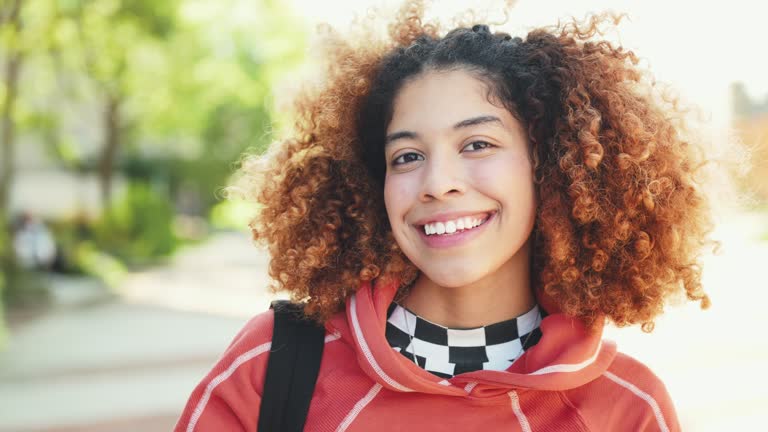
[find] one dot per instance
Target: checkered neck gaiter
(447, 352)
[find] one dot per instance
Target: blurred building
(44, 187)
(750, 119)
(743, 106)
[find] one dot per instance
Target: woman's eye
(477, 146)
(406, 158)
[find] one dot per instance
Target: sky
(699, 48)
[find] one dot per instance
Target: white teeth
(450, 227)
(469, 223)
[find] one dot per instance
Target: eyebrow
(462, 124)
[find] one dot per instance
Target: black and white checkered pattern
(448, 352)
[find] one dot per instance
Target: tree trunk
(8, 135)
(109, 151)
(13, 64)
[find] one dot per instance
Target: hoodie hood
(566, 356)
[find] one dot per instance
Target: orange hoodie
(570, 381)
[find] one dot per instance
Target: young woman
(463, 212)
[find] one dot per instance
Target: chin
(454, 277)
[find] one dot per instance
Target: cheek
(510, 183)
(395, 198)
(507, 178)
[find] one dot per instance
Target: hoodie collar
(566, 356)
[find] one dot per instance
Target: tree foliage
(165, 94)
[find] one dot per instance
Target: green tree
(111, 35)
(11, 26)
(171, 93)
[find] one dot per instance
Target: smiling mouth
(455, 226)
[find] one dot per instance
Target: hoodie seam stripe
(220, 378)
(524, 425)
(569, 367)
(642, 395)
(367, 351)
(359, 406)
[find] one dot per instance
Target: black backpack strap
(292, 368)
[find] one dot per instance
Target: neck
(502, 295)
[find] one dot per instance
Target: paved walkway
(127, 362)
(106, 362)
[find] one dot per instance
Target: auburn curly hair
(621, 219)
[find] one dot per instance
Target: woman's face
(459, 186)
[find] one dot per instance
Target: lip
(456, 239)
(444, 217)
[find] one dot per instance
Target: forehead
(437, 100)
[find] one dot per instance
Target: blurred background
(125, 272)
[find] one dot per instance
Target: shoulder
(226, 397)
(246, 357)
(627, 396)
(256, 332)
(635, 379)
(247, 352)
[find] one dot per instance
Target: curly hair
(621, 218)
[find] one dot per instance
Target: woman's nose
(442, 179)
